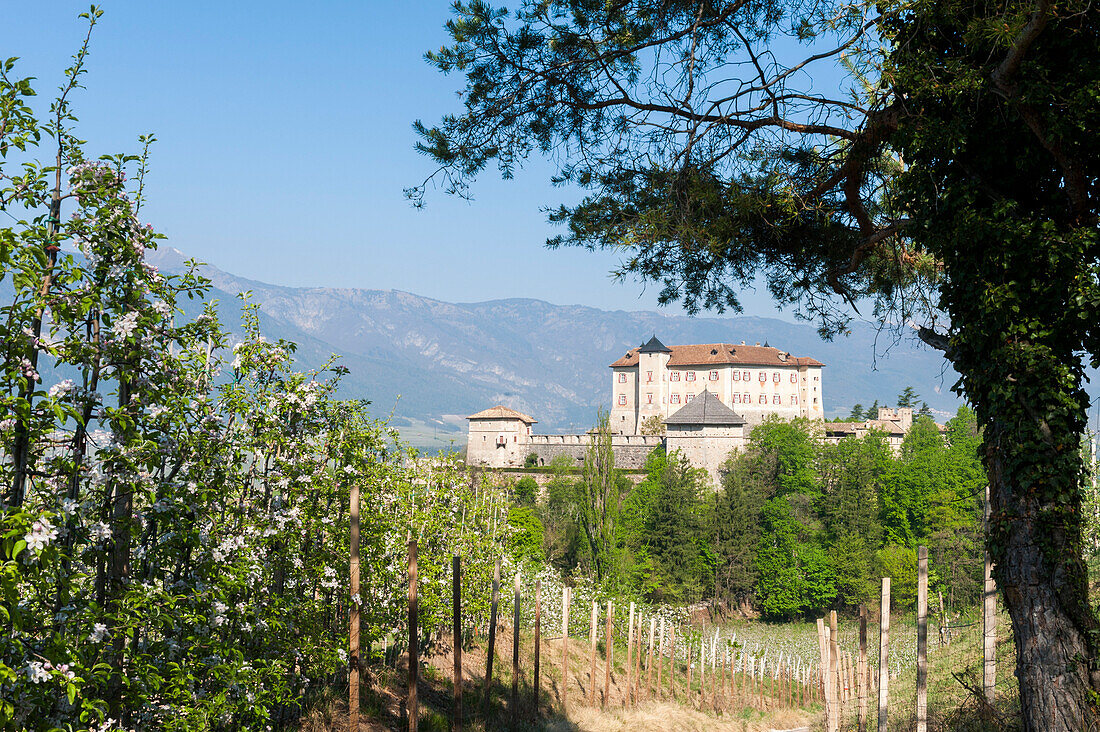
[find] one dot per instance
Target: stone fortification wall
(631, 451)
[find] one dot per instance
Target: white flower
(68, 505)
(343, 654)
(162, 308)
(41, 534)
(99, 531)
(58, 391)
(36, 672)
(156, 410)
(99, 633)
(125, 325)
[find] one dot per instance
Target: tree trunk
(1043, 578)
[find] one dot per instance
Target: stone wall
(631, 451)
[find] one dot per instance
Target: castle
(655, 381)
(705, 398)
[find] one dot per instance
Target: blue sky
(285, 143)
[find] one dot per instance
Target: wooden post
(538, 641)
(608, 656)
(922, 639)
(989, 620)
(823, 652)
(660, 656)
(702, 669)
(565, 645)
(353, 629)
(834, 680)
(945, 629)
(861, 683)
(592, 653)
(492, 641)
(514, 707)
(687, 696)
(649, 657)
(629, 654)
(456, 614)
(411, 703)
(672, 658)
(884, 657)
(638, 660)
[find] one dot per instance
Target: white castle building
(655, 380)
(708, 397)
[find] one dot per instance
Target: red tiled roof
(705, 354)
(502, 412)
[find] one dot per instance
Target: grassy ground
(951, 668)
(951, 704)
(656, 709)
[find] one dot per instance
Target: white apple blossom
(41, 534)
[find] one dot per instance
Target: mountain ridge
(448, 360)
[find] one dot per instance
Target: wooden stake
(945, 629)
(702, 670)
(515, 655)
(411, 703)
(538, 642)
(823, 653)
(565, 645)
(672, 659)
(884, 657)
(592, 654)
(687, 695)
(492, 641)
(989, 620)
(609, 656)
(660, 656)
(629, 654)
(649, 657)
(835, 683)
(922, 639)
(861, 683)
(638, 660)
(353, 630)
(456, 614)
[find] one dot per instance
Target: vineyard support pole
(922, 639)
(884, 657)
(456, 613)
(412, 704)
(492, 641)
(515, 655)
(353, 630)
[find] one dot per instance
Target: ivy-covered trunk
(1013, 345)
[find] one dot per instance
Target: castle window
(747, 398)
(736, 375)
(622, 377)
(763, 398)
(745, 375)
(675, 398)
(714, 376)
(689, 397)
(649, 376)
(794, 378)
(794, 399)
(690, 376)
(736, 398)
(775, 377)
(515, 438)
(763, 377)
(775, 399)
(675, 376)
(622, 399)
(649, 398)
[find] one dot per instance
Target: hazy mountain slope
(451, 359)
